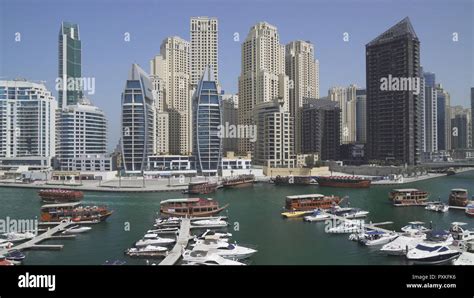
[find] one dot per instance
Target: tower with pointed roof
(393, 115)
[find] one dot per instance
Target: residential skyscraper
(138, 121)
(230, 118)
(303, 72)
(172, 67)
(443, 118)
(207, 117)
(346, 98)
(472, 117)
(69, 56)
(430, 119)
(262, 78)
(162, 116)
(321, 119)
(393, 116)
(27, 124)
(204, 47)
(81, 132)
(460, 127)
(274, 146)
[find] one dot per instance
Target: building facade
(204, 47)
(321, 123)
(393, 110)
(69, 57)
(443, 118)
(262, 78)
(81, 131)
(361, 116)
(27, 123)
(230, 118)
(346, 98)
(302, 70)
(430, 127)
(207, 119)
(138, 121)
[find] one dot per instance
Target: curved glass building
(206, 123)
(138, 116)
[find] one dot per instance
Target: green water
(256, 212)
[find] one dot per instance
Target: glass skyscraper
(138, 116)
(206, 121)
(69, 56)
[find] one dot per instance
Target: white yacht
(218, 222)
(432, 253)
(224, 249)
(76, 230)
(15, 237)
(203, 257)
(212, 235)
(373, 237)
(403, 244)
(347, 226)
(460, 235)
(317, 215)
(154, 241)
(146, 249)
(355, 213)
(437, 207)
(415, 227)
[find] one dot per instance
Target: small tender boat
(353, 213)
(15, 237)
(15, 256)
(414, 227)
(403, 244)
(154, 241)
(432, 253)
(76, 230)
(224, 249)
(437, 207)
(218, 222)
(373, 237)
(470, 210)
(317, 215)
(347, 226)
(212, 235)
(207, 258)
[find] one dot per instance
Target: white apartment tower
(347, 99)
(204, 47)
(171, 67)
(262, 77)
(303, 72)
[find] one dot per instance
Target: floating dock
(181, 242)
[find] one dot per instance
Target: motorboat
(347, 226)
(15, 256)
(373, 237)
(404, 243)
(437, 207)
(212, 235)
(353, 213)
(154, 241)
(415, 227)
(432, 253)
(15, 236)
(76, 230)
(203, 257)
(317, 215)
(170, 221)
(147, 249)
(460, 235)
(224, 249)
(443, 237)
(218, 222)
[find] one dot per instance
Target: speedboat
(146, 249)
(154, 241)
(437, 207)
(373, 237)
(76, 230)
(347, 226)
(224, 249)
(415, 227)
(354, 213)
(460, 235)
(317, 215)
(432, 253)
(403, 244)
(15, 237)
(212, 235)
(218, 222)
(203, 257)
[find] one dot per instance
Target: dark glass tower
(138, 117)
(206, 122)
(69, 56)
(393, 117)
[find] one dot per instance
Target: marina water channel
(254, 215)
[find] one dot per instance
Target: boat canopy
(184, 200)
(406, 189)
(316, 195)
(416, 223)
(61, 205)
(375, 232)
(459, 190)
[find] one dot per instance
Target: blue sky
(108, 58)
